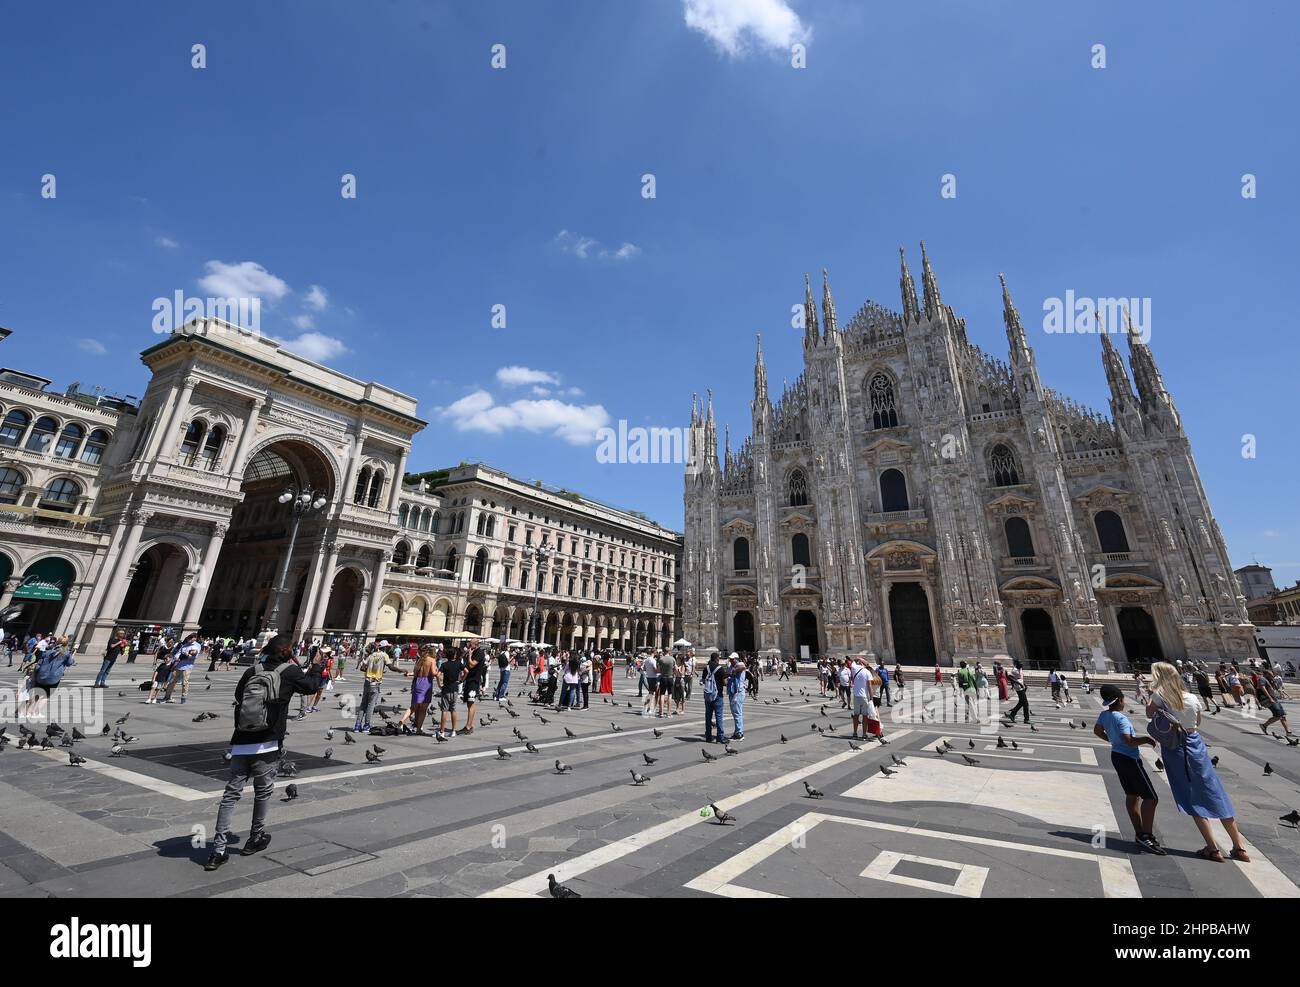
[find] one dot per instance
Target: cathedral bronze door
(805, 632)
(1138, 632)
(742, 632)
(909, 619)
(1040, 637)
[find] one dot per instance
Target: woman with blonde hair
(1175, 724)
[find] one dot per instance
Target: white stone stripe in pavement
(533, 885)
(1117, 877)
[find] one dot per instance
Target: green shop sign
(35, 588)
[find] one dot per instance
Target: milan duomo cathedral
(913, 497)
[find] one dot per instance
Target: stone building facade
(912, 496)
(481, 551)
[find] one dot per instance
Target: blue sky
(522, 187)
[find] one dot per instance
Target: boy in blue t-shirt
(1112, 725)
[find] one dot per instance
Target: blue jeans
(104, 669)
(640, 685)
(503, 685)
(712, 712)
(261, 768)
(369, 699)
(738, 711)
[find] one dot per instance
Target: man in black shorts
(1114, 726)
(449, 676)
(475, 677)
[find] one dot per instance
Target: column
(245, 437)
(199, 590)
(160, 445)
(327, 583)
(354, 465)
(397, 481)
(126, 562)
(310, 597)
(7, 588)
(376, 593)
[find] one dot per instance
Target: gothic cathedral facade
(913, 497)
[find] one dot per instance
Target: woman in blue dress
(1175, 724)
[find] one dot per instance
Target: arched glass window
(193, 440)
(211, 453)
(1003, 467)
(60, 495)
(460, 522)
(491, 527)
(451, 561)
(1020, 542)
(401, 553)
(376, 488)
(363, 484)
(740, 554)
(69, 441)
(11, 485)
(799, 554)
(422, 557)
(881, 404)
(13, 427)
(482, 523)
(426, 519)
(798, 489)
(42, 434)
(437, 522)
(1110, 532)
(479, 573)
(401, 515)
(93, 451)
(893, 491)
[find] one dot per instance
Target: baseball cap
(1110, 694)
(734, 655)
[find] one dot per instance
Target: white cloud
(246, 279)
(316, 299)
(1271, 533)
(515, 376)
(93, 346)
(315, 346)
(574, 392)
(479, 412)
(541, 392)
(303, 322)
(587, 248)
(733, 24)
(167, 243)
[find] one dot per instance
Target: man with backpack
(966, 683)
(261, 715)
(712, 683)
(736, 695)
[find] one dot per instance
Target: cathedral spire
(1146, 375)
(1015, 330)
(828, 306)
(695, 408)
(726, 456)
(760, 373)
(811, 334)
(911, 310)
(1121, 391)
(930, 287)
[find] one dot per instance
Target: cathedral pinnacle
(811, 334)
(911, 310)
(828, 306)
(930, 287)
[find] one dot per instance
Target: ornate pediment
(1102, 493)
(797, 519)
(1012, 503)
(737, 526)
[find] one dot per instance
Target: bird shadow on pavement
(181, 847)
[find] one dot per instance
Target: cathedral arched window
(1110, 532)
(893, 491)
(479, 573)
(740, 554)
(798, 489)
(422, 557)
(363, 484)
(401, 515)
(881, 404)
(1020, 542)
(376, 487)
(799, 554)
(1003, 467)
(401, 553)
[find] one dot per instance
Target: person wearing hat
(326, 656)
(1140, 797)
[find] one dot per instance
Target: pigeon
(1072, 726)
(970, 760)
(971, 743)
(123, 719)
(117, 750)
(77, 734)
(883, 741)
(377, 749)
(830, 727)
(503, 754)
(1160, 765)
(329, 734)
(562, 768)
(74, 758)
(1215, 760)
(783, 740)
(658, 733)
(1291, 817)
(372, 757)
(291, 793)
(544, 720)
(854, 747)
(531, 749)
(54, 730)
(437, 736)
(1001, 744)
(727, 749)
(887, 772)
(898, 760)
(1268, 769)
(813, 793)
(289, 768)
(707, 755)
(948, 748)
(1015, 746)
(47, 744)
(558, 890)
(1033, 728)
(348, 738)
(198, 719)
(66, 741)
(722, 817)
(638, 779)
(615, 727)
(104, 732)
(1293, 741)
(329, 752)
(649, 760)
(569, 733)
(940, 751)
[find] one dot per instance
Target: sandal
(1240, 854)
(1210, 853)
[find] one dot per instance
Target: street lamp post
(535, 622)
(305, 502)
(636, 619)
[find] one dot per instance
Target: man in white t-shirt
(862, 683)
(650, 669)
(690, 672)
(845, 677)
